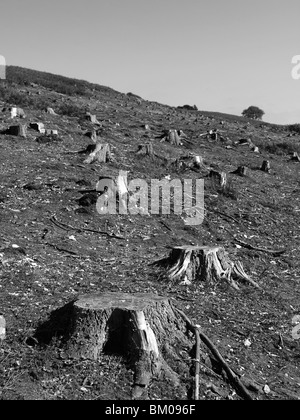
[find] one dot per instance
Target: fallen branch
(268, 251)
(166, 226)
(233, 378)
(72, 253)
(100, 232)
(225, 215)
(197, 360)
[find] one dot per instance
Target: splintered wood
(188, 264)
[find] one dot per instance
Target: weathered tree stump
(174, 137)
(137, 326)
(40, 127)
(218, 177)
(113, 192)
(92, 135)
(17, 130)
(295, 157)
(189, 264)
(266, 167)
(92, 118)
(50, 111)
(214, 134)
(146, 150)
(189, 162)
(100, 154)
(198, 162)
(241, 171)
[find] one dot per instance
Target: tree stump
(93, 135)
(173, 136)
(91, 118)
(50, 111)
(213, 134)
(113, 192)
(17, 130)
(137, 326)
(189, 162)
(188, 264)
(218, 177)
(241, 171)
(199, 162)
(266, 167)
(295, 157)
(100, 154)
(146, 150)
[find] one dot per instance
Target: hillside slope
(61, 255)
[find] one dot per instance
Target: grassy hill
(54, 246)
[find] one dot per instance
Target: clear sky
(221, 55)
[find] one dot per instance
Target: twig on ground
(233, 378)
(166, 226)
(68, 227)
(254, 248)
(72, 253)
(225, 215)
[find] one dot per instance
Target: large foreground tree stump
(100, 154)
(136, 325)
(189, 264)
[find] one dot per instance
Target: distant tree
(253, 112)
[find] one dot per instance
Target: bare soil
(57, 261)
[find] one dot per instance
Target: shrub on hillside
(13, 96)
(282, 148)
(71, 110)
(50, 81)
(295, 128)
